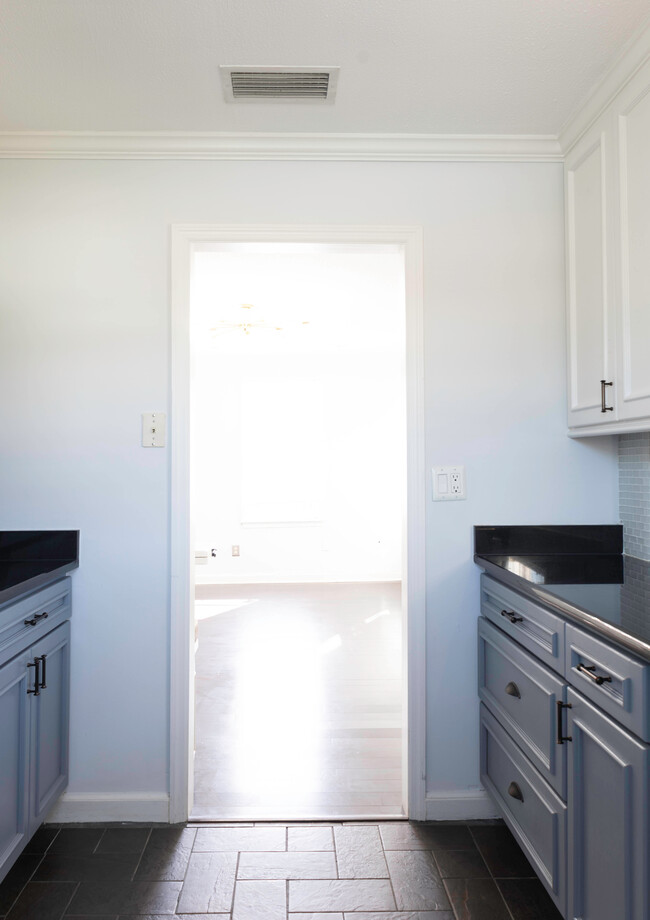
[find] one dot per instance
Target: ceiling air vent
(279, 84)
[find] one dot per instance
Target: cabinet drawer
(615, 681)
(538, 630)
(26, 620)
(533, 812)
(523, 695)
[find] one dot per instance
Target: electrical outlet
(448, 483)
(235, 550)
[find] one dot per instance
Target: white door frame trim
(183, 239)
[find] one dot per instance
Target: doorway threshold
(282, 818)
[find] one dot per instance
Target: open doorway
(298, 476)
(325, 557)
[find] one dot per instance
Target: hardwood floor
(298, 701)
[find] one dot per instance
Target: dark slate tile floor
(323, 871)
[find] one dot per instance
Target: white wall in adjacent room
(298, 438)
(84, 350)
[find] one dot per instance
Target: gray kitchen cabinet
(34, 713)
(565, 755)
(49, 722)
(608, 821)
(14, 759)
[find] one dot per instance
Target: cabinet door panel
(608, 817)
(50, 723)
(523, 694)
(14, 719)
(534, 813)
(591, 355)
(634, 321)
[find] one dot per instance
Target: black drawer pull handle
(41, 616)
(603, 398)
(35, 664)
(560, 737)
(515, 792)
(510, 615)
(589, 671)
(32, 622)
(513, 690)
(44, 670)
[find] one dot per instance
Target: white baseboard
(470, 805)
(82, 807)
(201, 578)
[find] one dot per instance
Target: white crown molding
(112, 145)
(631, 57)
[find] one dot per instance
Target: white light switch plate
(153, 429)
(448, 483)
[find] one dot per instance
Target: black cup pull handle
(35, 664)
(513, 690)
(603, 398)
(512, 616)
(43, 670)
(589, 670)
(560, 737)
(515, 792)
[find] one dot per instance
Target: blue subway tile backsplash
(634, 492)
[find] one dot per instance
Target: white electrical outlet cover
(448, 483)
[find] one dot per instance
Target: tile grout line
(501, 894)
(234, 887)
(137, 865)
(36, 867)
(390, 878)
(101, 837)
(65, 909)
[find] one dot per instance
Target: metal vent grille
(279, 84)
(246, 83)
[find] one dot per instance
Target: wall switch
(235, 550)
(448, 483)
(153, 429)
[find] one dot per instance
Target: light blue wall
(84, 349)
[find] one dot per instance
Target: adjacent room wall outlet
(448, 483)
(153, 429)
(235, 550)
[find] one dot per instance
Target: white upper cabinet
(589, 294)
(607, 185)
(633, 353)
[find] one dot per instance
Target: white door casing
(184, 238)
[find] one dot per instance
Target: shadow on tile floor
(320, 871)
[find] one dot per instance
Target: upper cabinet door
(589, 288)
(633, 358)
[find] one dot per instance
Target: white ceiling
(407, 66)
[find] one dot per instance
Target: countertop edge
(23, 588)
(566, 610)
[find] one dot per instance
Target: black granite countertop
(31, 559)
(580, 571)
